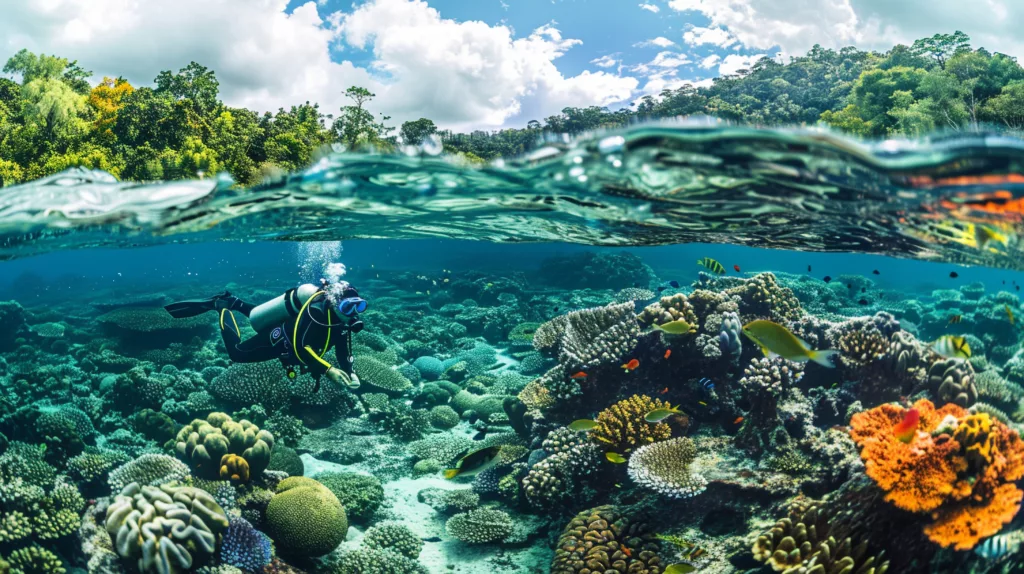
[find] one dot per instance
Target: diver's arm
(318, 367)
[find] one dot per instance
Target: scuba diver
(297, 328)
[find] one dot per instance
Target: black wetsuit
(312, 339)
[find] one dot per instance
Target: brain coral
(204, 443)
(607, 541)
(621, 427)
(166, 529)
(305, 518)
(958, 467)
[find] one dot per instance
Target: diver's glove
(340, 377)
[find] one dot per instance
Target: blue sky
(480, 64)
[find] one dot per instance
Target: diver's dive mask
(350, 306)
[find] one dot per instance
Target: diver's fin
(185, 309)
(823, 358)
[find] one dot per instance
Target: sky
(473, 64)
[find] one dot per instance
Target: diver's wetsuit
(300, 342)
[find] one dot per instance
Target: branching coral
(606, 540)
(622, 428)
(959, 467)
(664, 468)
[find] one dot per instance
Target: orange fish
(579, 375)
(668, 353)
(632, 364)
(627, 552)
(663, 391)
(907, 428)
(737, 268)
(737, 421)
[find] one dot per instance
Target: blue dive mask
(352, 305)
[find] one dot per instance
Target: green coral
(443, 417)
(165, 529)
(93, 468)
(480, 526)
(203, 443)
(286, 460)
(26, 461)
(245, 384)
(393, 536)
(372, 561)
(360, 494)
(34, 560)
(379, 377)
(305, 518)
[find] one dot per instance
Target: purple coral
(245, 547)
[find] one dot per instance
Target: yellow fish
(711, 265)
(951, 347)
(677, 327)
(776, 340)
(984, 234)
(474, 462)
(658, 415)
(1009, 313)
(583, 425)
(680, 568)
(615, 457)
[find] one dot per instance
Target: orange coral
(959, 467)
(964, 525)
(234, 468)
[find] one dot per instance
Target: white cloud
(710, 61)
(263, 56)
(605, 62)
(462, 74)
(659, 42)
(662, 62)
(735, 62)
(698, 36)
(465, 74)
(650, 8)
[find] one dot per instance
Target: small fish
(435, 282)
(774, 339)
(446, 280)
(999, 545)
(702, 403)
(627, 551)
(583, 425)
(808, 268)
(614, 457)
(862, 302)
(658, 415)
(711, 265)
(663, 391)
(737, 421)
(632, 364)
(677, 327)
(827, 279)
(556, 309)
(984, 235)
(674, 284)
(951, 347)
(907, 428)
(428, 291)
(955, 320)
(474, 462)
(736, 268)
(953, 274)
(579, 375)
(1009, 313)
(668, 353)
(875, 272)
(697, 553)
(680, 568)
(707, 383)
(849, 286)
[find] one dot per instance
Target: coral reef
(664, 467)
(304, 518)
(622, 428)
(203, 444)
(607, 540)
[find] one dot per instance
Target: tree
(54, 106)
(356, 127)
(232, 136)
(33, 67)
(106, 101)
(1008, 107)
(415, 131)
(195, 83)
(941, 47)
(848, 119)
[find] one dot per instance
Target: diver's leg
(252, 350)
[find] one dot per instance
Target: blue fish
(999, 545)
(708, 384)
(674, 284)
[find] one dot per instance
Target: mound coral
(664, 467)
(590, 336)
(203, 444)
(148, 470)
(958, 467)
(234, 468)
(166, 529)
(606, 540)
(622, 428)
(379, 377)
(246, 384)
(480, 526)
(305, 518)
(393, 536)
(360, 494)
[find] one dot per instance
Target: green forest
(52, 118)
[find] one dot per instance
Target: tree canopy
(51, 118)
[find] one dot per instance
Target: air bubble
(432, 145)
(611, 144)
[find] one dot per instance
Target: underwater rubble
(622, 444)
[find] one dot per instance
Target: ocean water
(560, 364)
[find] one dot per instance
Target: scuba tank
(281, 308)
